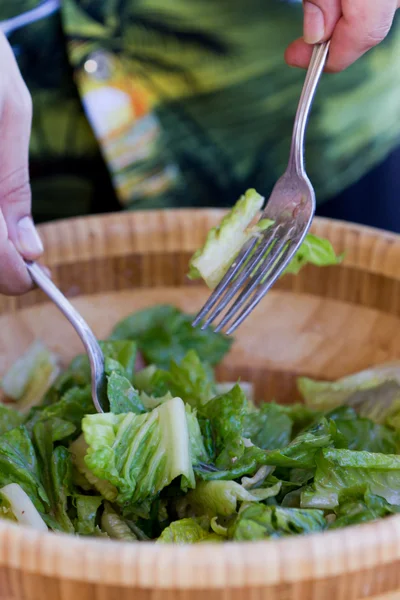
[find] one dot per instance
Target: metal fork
(291, 207)
(92, 347)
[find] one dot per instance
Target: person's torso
(190, 102)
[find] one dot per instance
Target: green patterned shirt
(163, 103)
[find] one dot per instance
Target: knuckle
(15, 186)
(376, 36)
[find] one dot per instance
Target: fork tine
(269, 237)
(225, 281)
(281, 264)
(271, 259)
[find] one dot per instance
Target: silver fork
(92, 347)
(291, 207)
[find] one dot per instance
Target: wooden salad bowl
(324, 323)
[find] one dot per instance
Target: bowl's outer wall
(325, 323)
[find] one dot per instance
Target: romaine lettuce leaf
(72, 407)
(220, 498)
(78, 451)
(356, 433)
(226, 414)
(9, 418)
(269, 427)
(115, 526)
(56, 473)
(19, 464)
(224, 242)
(191, 380)
(361, 507)
(122, 395)
(87, 508)
(362, 390)
(340, 471)
(31, 376)
(164, 333)
(259, 522)
(197, 449)
(189, 531)
(140, 454)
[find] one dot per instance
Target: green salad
(184, 458)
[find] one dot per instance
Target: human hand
(18, 236)
(354, 26)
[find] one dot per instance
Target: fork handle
(314, 72)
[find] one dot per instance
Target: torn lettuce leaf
(19, 464)
(115, 526)
(361, 506)
(189, 531)
(55, 466)
(87, 508)
(78, 451)
(224, 242)
(9, 418)
(225, 414)
(31, 376)
(221, 498)
(164, 333)
(340, 471)
(269, 427)
(122, 395)
(259, 522)
(363, 391)
(357, 433)
(191, 380)
(197, 449)
(140, 454)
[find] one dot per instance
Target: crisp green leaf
(9, 418)
(190, 380)
(225, 241)
(87, 508)
(220, 498)
(164, 333)
(197, 449)
(226, 414)
(301, 452)
(363, 391)
(268, 428)
(259, 522)
(115, 526)
(73, 406)
(19, 464)
(340, 471)
(122, 395)
(139, 454)
(188, 531)
(56, 474)
(355, 433)
(78, 451)
(31, 376)
(361, 507)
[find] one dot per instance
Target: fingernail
(314, 24)
(29, 243)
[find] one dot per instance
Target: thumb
(18, 236)
(320, 18)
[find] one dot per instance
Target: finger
(18, 235)
(364, 24)
(320, 18)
